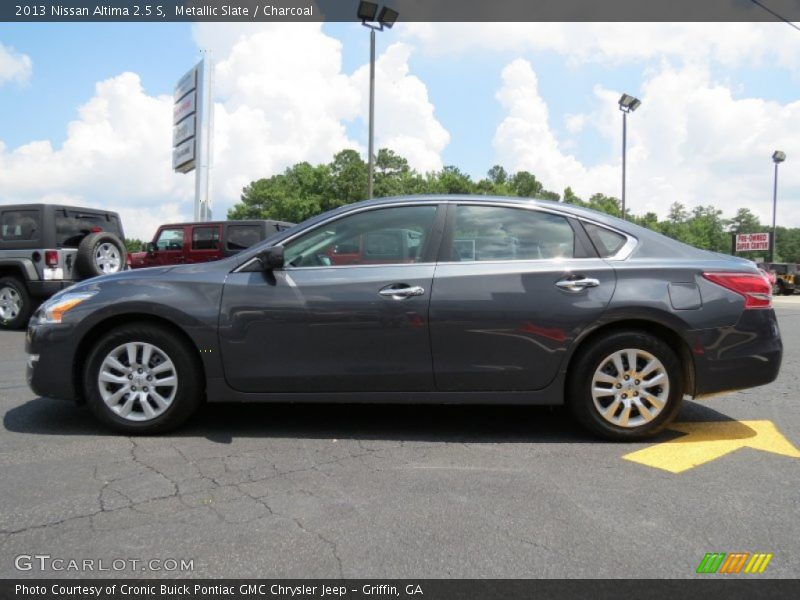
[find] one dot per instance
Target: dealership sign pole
(193, 125)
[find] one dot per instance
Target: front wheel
(626, 386)
(142, 379)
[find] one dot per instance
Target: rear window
(19, 225)
(73, 226)
(607, 242)
(243, 236)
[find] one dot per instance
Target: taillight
(51, 258)
(755, 288)
(96, 229)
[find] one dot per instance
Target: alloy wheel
(630, 388)
(138, 381)
(10, 303)
(108, 258)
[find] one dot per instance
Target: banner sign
(745, 242)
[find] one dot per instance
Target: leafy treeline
(305, 190)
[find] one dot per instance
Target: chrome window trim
(621, 254)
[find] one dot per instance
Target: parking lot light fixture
(367, 13)
(388, 17)
(777, 157)
(627, 104)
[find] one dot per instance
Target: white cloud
(691, 141)
(116, 155)
(282, 98)
(404, 114)
(14, 66)
(729, 44)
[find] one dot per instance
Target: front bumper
(51, 351)
(746, 355)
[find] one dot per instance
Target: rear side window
(485, 233)
(242, 236)
(205, 238)
(607, 242)
(19, 225)
(73, 226)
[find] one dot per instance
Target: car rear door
(512, 290)
(314, 326)
(205, 243)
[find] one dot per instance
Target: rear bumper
(746, 355)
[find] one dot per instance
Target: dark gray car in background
(419, 300)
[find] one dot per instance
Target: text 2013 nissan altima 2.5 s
(419, 300)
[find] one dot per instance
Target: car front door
(514, 287)
(314, 326)
(169, 247)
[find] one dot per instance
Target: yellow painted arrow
(709, 441)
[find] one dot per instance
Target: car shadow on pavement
(222, 423)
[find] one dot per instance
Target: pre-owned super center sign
(752, 241)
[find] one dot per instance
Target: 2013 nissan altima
(420, 300)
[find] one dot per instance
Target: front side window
(205, 238)
(170, 239)
(20, 225)
(381, 236)
(484, 233)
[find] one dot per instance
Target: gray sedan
(419, 300)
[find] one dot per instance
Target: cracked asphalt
(380, 491)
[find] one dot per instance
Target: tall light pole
(367, 12)
(627, 104)
(777, 157)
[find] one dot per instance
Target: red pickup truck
(179, 243)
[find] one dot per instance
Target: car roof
(34, 205)
(232, 222)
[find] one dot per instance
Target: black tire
(86, 258)
(15, 303)
(187, 367)
(591, 358)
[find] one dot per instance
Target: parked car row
(422, 300)
(45, 248)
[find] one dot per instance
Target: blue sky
(462, 86)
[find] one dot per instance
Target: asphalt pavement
(398, 491)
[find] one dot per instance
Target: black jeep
(45, 248)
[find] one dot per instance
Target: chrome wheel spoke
(625, 415)
(108, 377)
(125, 408)
(643, 411)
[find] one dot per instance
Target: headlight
(53, 310)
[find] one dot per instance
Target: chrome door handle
(576, 285)
(399, 293)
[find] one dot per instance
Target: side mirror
(150, 248)
(272, 258)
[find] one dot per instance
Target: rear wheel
(15, 303)
(143, 379)
(626, 386)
